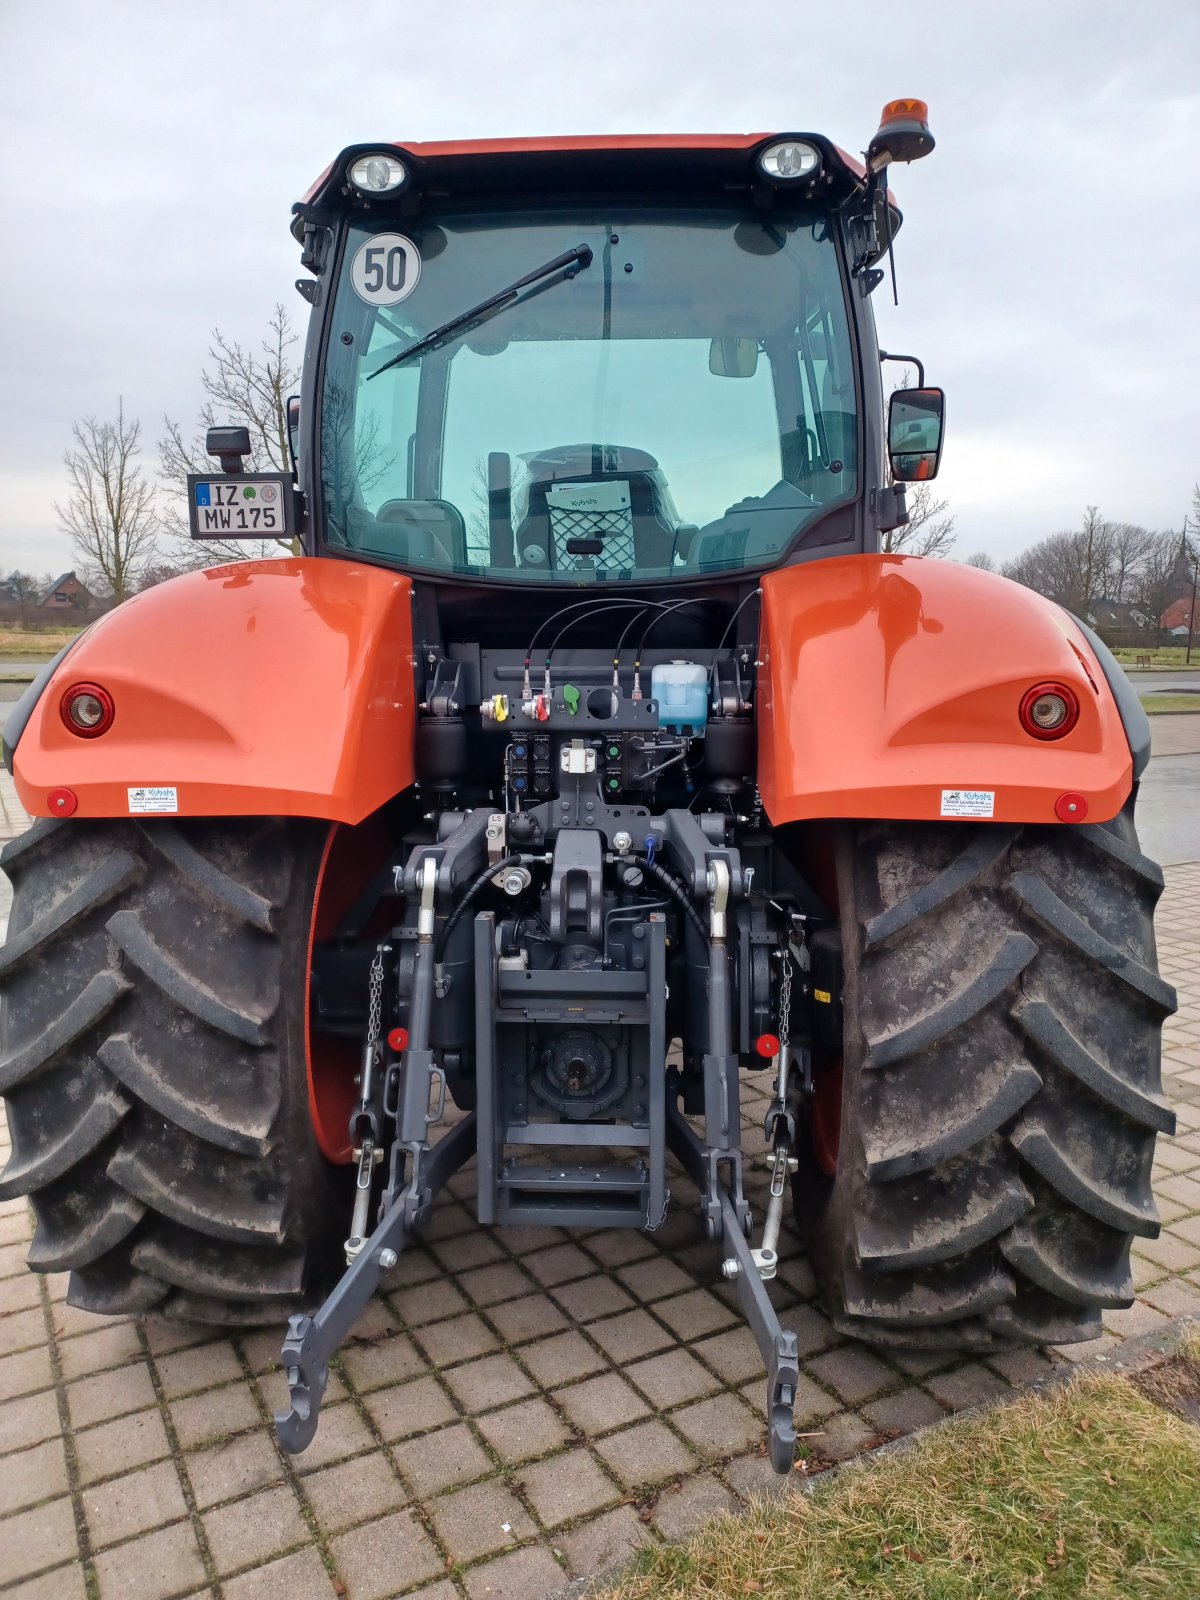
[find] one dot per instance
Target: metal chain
(785, 998)
(375, 1001)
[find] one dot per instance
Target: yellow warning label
(824, 996)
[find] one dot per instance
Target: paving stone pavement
(518, 1408)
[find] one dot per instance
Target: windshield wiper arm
(578, 258)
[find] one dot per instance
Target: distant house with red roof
(1177, 618)
(67, 591)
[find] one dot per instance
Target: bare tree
(25, 590)
(110, 513)
(1157, 578)
(928, 531)
(1095, 548)
(982, 560)
(241, 387)
(1073, 567)
(1130, 544)
(159, 572)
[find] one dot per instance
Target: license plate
(239, 508)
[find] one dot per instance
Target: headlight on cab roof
(790, 159)
(377, 173)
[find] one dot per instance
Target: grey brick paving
(514, 1410)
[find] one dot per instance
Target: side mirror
(293, 429)
(229, 445)
(915, 419)
(733, 357)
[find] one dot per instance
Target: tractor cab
(598, 362)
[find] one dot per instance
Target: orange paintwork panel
(886, 680)
(270, 688)
(432, 150)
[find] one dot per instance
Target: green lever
(571, 696)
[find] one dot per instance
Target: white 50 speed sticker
(385, 270)
(152, 797)
(968, 802)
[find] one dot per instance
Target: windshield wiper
(578, 258)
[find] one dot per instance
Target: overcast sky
(1047, 263)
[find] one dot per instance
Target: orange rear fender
(279, 688)
(889, 685)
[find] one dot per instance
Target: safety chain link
(375, 1000)
(785, 997)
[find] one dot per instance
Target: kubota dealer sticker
(968, 802)
(151, 798)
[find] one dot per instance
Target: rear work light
(377, 173)
(1049, 710)
(87, 710)
(790, 159)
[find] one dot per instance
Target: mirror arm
(890, 355)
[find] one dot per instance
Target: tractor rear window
(683, 402)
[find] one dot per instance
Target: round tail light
(1049, 710)
(87, 710)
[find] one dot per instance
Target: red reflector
(398, 1040)
(767, 1045)
(62, 803)
(1070, 808)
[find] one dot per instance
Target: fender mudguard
(270, 688)
(889, 686)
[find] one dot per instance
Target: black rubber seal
(21, 712)
(1133, 715)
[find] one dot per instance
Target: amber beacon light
(903, 134)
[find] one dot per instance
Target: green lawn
(1167, 655)
(1088, 1491)
(1155, 703)
(34, 644)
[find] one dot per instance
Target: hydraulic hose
(470, 894)
(678, 893)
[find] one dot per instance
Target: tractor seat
(579, 497)
(429, 531)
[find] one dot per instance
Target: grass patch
(21, 644)
(1175, 1383)
(1153, 704)
(1092, 1490)
(1167, 655)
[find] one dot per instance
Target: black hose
(472, 891)
(678, 893)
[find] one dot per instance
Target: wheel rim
(349, 860)
(825, 1116)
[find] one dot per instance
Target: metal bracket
(777, 1344)
(312, 1340)
(766, 1257)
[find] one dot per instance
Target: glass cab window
(683, 404)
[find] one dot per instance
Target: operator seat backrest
(434, 530)
(636, 535)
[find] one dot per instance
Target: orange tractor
(589, 757)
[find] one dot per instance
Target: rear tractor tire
(1001, 1088)
(152, 1057)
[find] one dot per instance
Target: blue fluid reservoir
(681, 689)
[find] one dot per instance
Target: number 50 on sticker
(385, 269)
